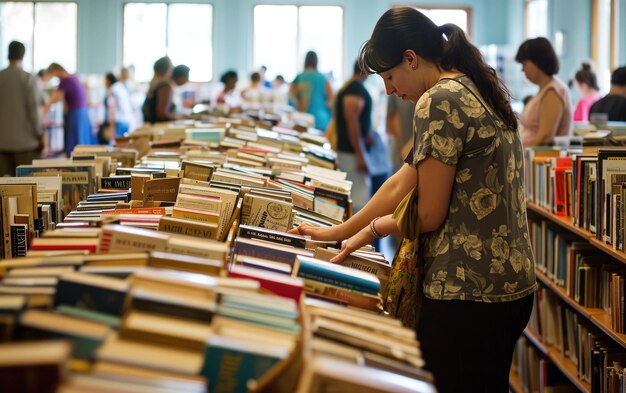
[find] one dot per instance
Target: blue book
(90, 292)
(341, 276)
(230, 363)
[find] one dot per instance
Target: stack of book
(173, 270)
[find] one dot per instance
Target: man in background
(613, 105)
(20, 132)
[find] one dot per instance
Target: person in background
(311, 92)
(158, 105)
(353, 118)
(180, 75)
(229, 96)
(478, 264)
(586, 83)
(20, 129)
(256, 92)
(400, 129)
(118, 107)
(280, 91)
(76, 122)
(264, 82)
(137, 95)
(182, 97)
(549, 112)
(613, 105)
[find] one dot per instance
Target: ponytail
(460, 54)
(402, 28)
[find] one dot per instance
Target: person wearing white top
(120, 113)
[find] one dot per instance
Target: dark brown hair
(618, 77)
(539, 51)
(587, 76)
(310, 60)
(402, 28)
(16, 50)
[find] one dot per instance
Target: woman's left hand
(362, 238)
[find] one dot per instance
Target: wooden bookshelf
(597, 316)
(567, 367)
(515, 382)
(566, 222)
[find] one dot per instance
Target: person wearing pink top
(549, 112)
(586, 82)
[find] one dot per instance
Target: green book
(230, 363)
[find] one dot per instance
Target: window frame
(167, 35)
(298, 5)
(468, 10)
(32, 33)
(526, 19)
(614, 13)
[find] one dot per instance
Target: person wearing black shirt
(614, 103)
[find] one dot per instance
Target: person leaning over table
(479, 269)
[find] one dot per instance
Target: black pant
(468, 346)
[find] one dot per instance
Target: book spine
(89, 297)
(264, 253)
(19, 240)
(201, 231)
(342, 199)
(343, 283)
(279, 238)
(121, 182)
(341, 294)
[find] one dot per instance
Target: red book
(279, 284)
(560, 165)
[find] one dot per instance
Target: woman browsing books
(478, 265)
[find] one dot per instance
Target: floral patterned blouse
(482, 250)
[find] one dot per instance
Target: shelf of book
(567, 367)
(515, 382)
(566, 222)
(597, 316)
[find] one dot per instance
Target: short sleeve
(440, 127)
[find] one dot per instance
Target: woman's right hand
(334, 233)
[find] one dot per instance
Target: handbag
(404, 292)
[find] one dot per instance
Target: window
(605, 39)
(48, 30)
(181, 31)
(283, 34)
(536, 18)
(443, 15)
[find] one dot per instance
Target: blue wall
(498, 22)
(100, 28)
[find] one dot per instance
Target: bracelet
(373, 229)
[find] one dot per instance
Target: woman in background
(549, 112)
(311, 92)
(586, 82)
(76, 122)
(229, 96)
(118, 106)
(158, 104)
